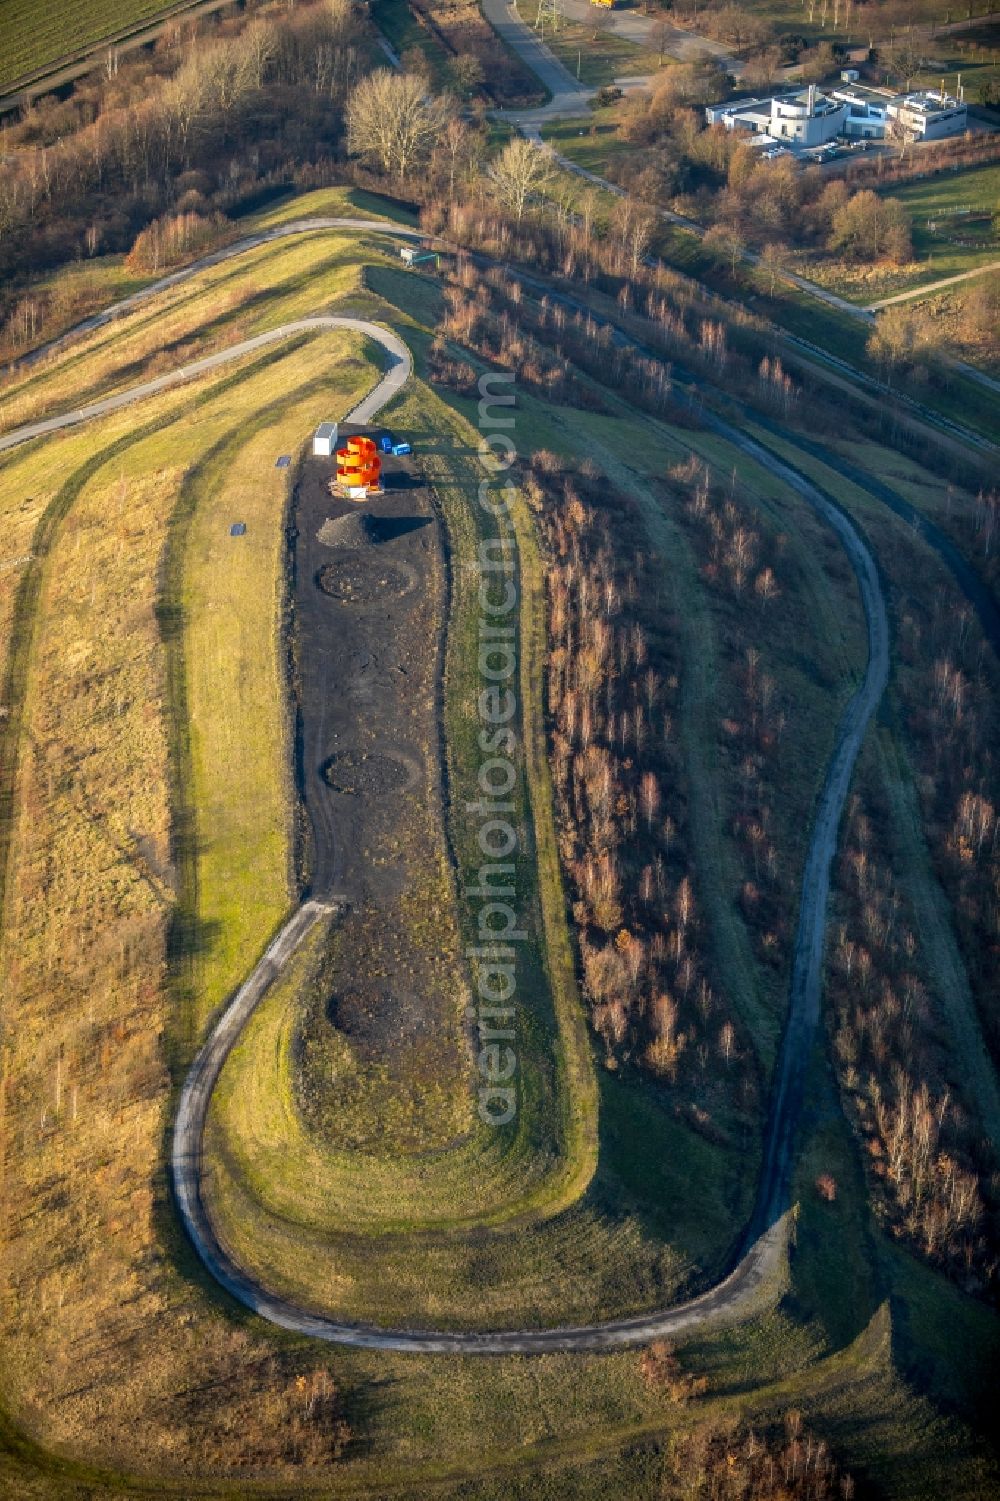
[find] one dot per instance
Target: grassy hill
(150, 840)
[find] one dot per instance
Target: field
(152, 842)
(950, 210)
(36, 35)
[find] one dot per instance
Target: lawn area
(598, 57)
(956, 227)
(951, 209)
(541, 1156)
(93, 879)
(39, 32)
(591, 141)
(285, 1202)
(221, 307)
(348, 203)
(226, 670)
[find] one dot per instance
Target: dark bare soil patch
(381, 1024)
(357, 772)
(357, 581)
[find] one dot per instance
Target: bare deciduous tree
(519, 170)
(393, 121)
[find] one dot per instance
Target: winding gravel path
(735, 1294)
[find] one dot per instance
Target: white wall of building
(928, 117)
(810, 120)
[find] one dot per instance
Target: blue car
(385, 443)
(401, 448)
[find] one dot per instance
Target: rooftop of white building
(928, 102)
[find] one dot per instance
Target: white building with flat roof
(805, 118)
(740, 114)
(927, 116)
(866, 118)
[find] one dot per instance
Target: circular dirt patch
(364, 581)
(375, 774)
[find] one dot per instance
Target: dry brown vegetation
(618, 774)
(188, 130)
(745, 1464)
(610, 283)
(734, 1461)
(741, 564)
(603, 261)
(95, 1313)
(176, 238)
(927, 1174)
(715, 176)
(965, 319)
(481, 59)
(952, 721)
(949, 697)
(552, 338)
(484, 314)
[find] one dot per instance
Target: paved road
(734, 1295)
(391, 382)
(806, 982)
(235, 248)
(568, 95)
(644, 31)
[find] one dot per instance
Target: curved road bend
(734, 1294)
(215, 258)
(530, 130)
(393, 380)
(807, 962)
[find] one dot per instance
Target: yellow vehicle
(604, 4)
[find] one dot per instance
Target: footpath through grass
(295, 1212)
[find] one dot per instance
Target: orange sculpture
(359, 466)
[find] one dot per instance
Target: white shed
(325, 440)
